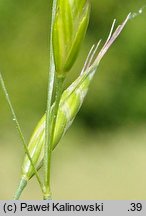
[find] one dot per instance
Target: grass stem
(58, 92)
(18, 127)
(49, 99)
(20, 188)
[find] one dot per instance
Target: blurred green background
(103, 156)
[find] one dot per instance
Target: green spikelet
(70, 25)
(70, 103)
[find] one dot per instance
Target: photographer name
(65, 207)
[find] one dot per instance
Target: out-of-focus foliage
(117, 96)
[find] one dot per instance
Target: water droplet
(14, 119)
(140, 11)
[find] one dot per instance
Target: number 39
(136, 207)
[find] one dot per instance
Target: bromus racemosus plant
(68, 27)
